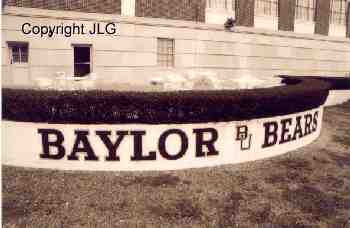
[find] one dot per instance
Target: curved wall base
(155, 147)
(337, 97)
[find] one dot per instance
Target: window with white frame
(266, 8)
(165, 52)
(305, 10)
(338, 12)
(229, 5)
(18, 52)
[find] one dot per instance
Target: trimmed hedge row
(110, 107)
(337, 83)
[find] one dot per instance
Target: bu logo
(244, 137)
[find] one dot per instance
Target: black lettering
(44, 30)
(285, 137)
(314, 126)
(82, 29)
(81, 138)
(99, 29)
(47, 154)
(298, 132)
(162, 144)
(270, 132)
(138, 151)
(110, 28)
(35, 30)
(29, 31)
(112, 147)
(242, 133)
(67, 31)
(308, 120)
(93, 31)
(200, 142)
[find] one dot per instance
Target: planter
(109, 130)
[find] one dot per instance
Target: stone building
(146, 37)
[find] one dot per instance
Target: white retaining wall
(336, 97)
(23, 145)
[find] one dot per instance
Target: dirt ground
(309, 187)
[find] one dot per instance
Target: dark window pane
(81, 69)
(24, 54)
(81, 61)
(81, 54)
(19, 52)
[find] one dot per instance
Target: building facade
(140, 39)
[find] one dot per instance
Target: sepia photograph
(175, 113)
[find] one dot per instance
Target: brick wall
(348, 21)
(322, 17)
(245, 12)
(88, 6)
(286, 14)
(190, 10)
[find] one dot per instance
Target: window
(222, 4)
(305, 10)
(74, 4)
(338, 12)
(266, 8)
(82, 60)
(149, 4)
(18, 52)
(68, 4)
(165, 52)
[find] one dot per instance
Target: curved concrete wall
(155, 147)
(336, 97)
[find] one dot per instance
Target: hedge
(337, 83)
(112, 107)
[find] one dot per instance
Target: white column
(264, 21)
(230, 4)
(218, 11)
(128, 7)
